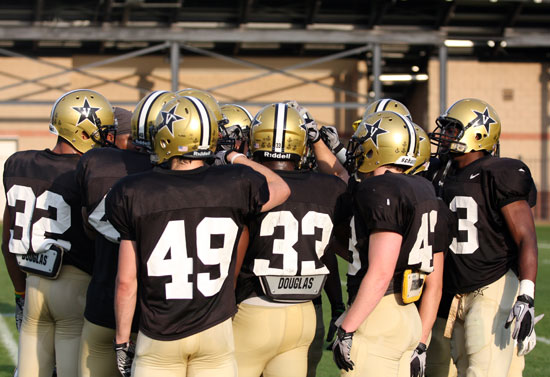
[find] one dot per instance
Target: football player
(179, 225)
(392, 237)
(414, 364)
(47, 254)
(492, 265)
(282, 271)
(97, 172)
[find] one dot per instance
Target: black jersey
(484, 250)
(290, 239)
(398, 203)
(43, 202)
(186, 225)
(97, 172)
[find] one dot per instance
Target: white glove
(531, 341)
(341, 349)
(313, 134)
(19, 306)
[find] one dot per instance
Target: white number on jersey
(180, 265)
(285, 246)
(421, 251)
(35, 234)
(468, 224)
(103, 227)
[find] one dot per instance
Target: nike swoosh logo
(472, 176)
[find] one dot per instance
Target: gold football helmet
(387, 104)
(209, 100)
(83, 118)
(184, 127)
(382, 138)
(424, 152)
(468, 125)
(145, 114)
(237, 127)
(278, 132)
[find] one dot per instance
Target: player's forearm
(431, 296)
(328, 163)
(125, 306)
(372, 289)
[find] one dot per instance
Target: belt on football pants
(451, 318)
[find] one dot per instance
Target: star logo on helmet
(483, 119)
(168, 119)
(87, 112)
(373, 131)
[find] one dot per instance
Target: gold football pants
(210, 353)
(273, 341)
(52, 324)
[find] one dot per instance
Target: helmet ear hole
(369, 154)
(479, 136)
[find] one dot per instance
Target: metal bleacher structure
(395, 38)
(390, 35)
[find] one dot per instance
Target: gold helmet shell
(82, 117)
(209, 100)
(145, 115)
(387, 104)
(185, 127)
(279, 133)
(237, 118)
(424, 152)
(468, 125)
(384, 138)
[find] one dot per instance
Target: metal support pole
(442, 79)
(175, 64)
(377, 70)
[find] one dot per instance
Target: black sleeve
(511, 181)
(118, 212)
(258, 190)
(380, 206)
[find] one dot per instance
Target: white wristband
(234, 157)
(527, 287)
(341, 155)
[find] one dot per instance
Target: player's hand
(530, 342)
(524, 314)
(418, 361)
(19, 305)
(341, 350)
(336, 312)
(221, 157)
(124, 357)
(329, 134)
(313, 134)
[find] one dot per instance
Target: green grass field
(536, 361)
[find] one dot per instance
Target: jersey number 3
(467, 224)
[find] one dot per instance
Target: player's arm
(16, 275)
(125, 290)
(520, 222)
(431, 296)
(278, 189)
(88, 229)
(241, 251)
(384, 250)
(327, 161)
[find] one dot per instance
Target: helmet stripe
(205, 121)
(383, 104)
(146, 110)
(280, 125)
(412, 135)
